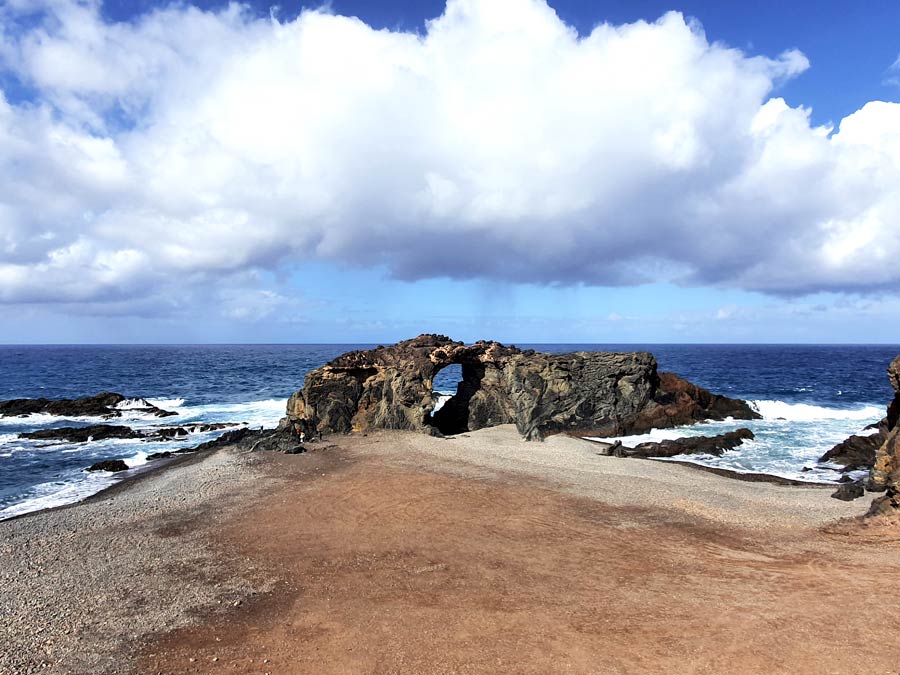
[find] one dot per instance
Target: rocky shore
(107, 404)
(479, 553)
(878, 452)
(464, 548)
(83, 587)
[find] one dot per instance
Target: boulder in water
(113, 465)
(97, 432)
(707, 445)
(102, 405)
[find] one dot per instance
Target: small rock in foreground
(847, 492)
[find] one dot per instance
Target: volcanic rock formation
(691, 445)
(102, 405)
(586, 393)
(886, 471)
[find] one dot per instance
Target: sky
(362, 171)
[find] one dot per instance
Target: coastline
(748, 476)
(148, 470)
(124, 481)
(209, 547)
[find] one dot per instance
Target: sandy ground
(400, 553)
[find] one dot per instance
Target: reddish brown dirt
(385, 569)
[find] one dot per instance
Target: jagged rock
(101, 405)
(168, 433)
(112, 465)
(589, 393)
(847, 492)
(228, 438)
(857, 452)
(885, 472)
(709, 445)
(97, 432)
(158, 455)
(211, 426)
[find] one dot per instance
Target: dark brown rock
(588, 393)
(168, 433)
(97, 432)
(857, 452)
(885, 474)
(113, 465)
(847, 492)
(885, 467)
(101, 405)
(233, 437)
(708, 445)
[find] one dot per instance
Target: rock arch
(596, 393)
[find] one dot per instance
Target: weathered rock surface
(101, 405)
(587, 393)
(708, 445)
(857, 452)
(113, 465)
(885, 474)
(849, 491)
(97, 432)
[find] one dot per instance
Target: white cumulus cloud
(191, 147)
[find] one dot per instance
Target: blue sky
(500, 169)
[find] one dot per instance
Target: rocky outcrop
(692, 445)
(885, 474)
(847, 492)
(587, 393)
(857, 452)
(102, 405)
(97, 432)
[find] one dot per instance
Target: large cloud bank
(196, 146)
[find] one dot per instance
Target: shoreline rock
(879, 453)
(111, 465)
(857, 452)
(96, 432)
(102, 405)
(709, 445)
(589, 393)
(99, 432)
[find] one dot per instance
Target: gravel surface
(573, 466)
(82, 588)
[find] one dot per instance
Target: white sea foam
(255, 413)
(166, 403)
(440, 398)
(789, 438)
(58, 493)
(803, 412)
(133, 451)
(132, 403)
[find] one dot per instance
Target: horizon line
(387, 343)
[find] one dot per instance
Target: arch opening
(454, 386)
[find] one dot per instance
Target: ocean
(811, 397)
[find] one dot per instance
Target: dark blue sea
(811, 397)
